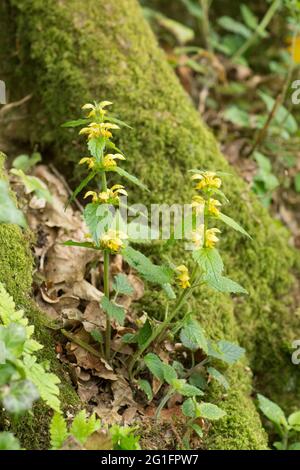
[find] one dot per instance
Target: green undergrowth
(105, 49)
(16, 265)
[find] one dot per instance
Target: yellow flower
(109, 196)
(110, 159)
(89, 161)
(113, 240)
(96, 108)
(207, 179)
(211, 238)
(197, 237)
(198, 201)
(212, 207)
(183, 277)
(101, 129)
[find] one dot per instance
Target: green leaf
(144, 333)
(155, 365)
(234, 26)
(146, 387)
(25, 163)
(211, 412)
(151, 272)
(233, 224)
(185, 389)
(8, 441)
(215, 374)
(224, 284)
(97, 336)
(294, 420)
(96, 147)
(295, 446)
(9, 213)
(210, 261)
(33, 184)
(58, 431)
(272, 411)
(129, 338)
(98, 219)
(169, 291)
(189, 408)
(133, 179)
(226, 351)
(192, 335)
(169, 373)
(198, 430)
(82, 427)
(76, 123)
(115, 312)
(121, 285)
(115, 120)
(46, 382)
(237, 116)
(182, 33)
(283, 117)
(80, 187)
(13, 337)
(249, 17)
(19, 397)
(81, 244)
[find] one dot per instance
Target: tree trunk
(70, 52)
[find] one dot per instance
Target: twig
(81, 343)
(13, 105)
(67, 187)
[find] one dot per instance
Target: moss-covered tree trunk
(70, 52)
(16, 266)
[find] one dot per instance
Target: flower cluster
(183, 277)
(110, 196)
(208, 183)
(113, 240)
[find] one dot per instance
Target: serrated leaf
(115, 312)
(146, 387)
(169, 291)
(82, 427)
(76, 123)
(272, 411)
(224, 284)
(149, 271)
(198, 430)
(249, 17)
(234, 26)
(19, 396)
(210, 261)
(58, 431)
(98, 218)
(144, 333)
(9, 213)
(13, 337)
(25, 163)
(133, 179)
(214, 373)
(155, 365)
(33, 184)
(80, 187)
(211, 411)
(129, 338)
(185, 389)
(226, 351)
(233, 224)
(192, 336)
(169, 373)
(96, 147)
(121, 284)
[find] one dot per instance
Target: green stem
(106, 293)
(260, 29)
(205, 24)
(159, 331)
(163, 402)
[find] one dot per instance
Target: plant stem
(205, 24)
(163, 403)
(260, 29)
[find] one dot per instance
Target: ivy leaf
(155, 365)
(80, 187)
(226, 351)
(115, 312)
(8, 441)
(224, 284)
(192, 336)
(122, 285)
(82, 427)
(58, 431)
(210, 261)
(272, 411)
(20, 396)
(146, 387)
(233, 224)
(151, 272)
(133, 179)
(215, 374)
(210, 411)
(9, 213)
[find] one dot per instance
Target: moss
(71, 52)
(16, 266)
